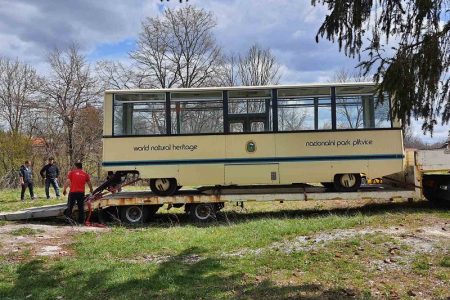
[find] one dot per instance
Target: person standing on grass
(50, 173)
(26, 180)
(77, 180)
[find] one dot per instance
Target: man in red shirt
(77, 180)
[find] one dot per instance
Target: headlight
(444, 187)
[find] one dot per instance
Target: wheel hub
(203, 212)
(348, 180)
(162, 184)
(134, 214)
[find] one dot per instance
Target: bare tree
(258, 67)
(344, 75)
(229, 71)
(88, 136)
(116, 75)
(179, 49)
(69, 87)
(413, 140)
(18, 82)
(49, 128)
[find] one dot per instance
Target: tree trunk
(70, 143)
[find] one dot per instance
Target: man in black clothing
(26, 179)
(51, 173)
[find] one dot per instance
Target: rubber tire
(173, 187)
(342, 188)
(195, 212)
(432, 192)
(126, 211)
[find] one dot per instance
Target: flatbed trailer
(426, 176)
(138, 201)
(304, 194)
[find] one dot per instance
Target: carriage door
(249, 155)
(248, 123)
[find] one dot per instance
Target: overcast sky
(108, 29)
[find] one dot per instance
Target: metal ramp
(34, 213)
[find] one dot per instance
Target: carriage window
(296, 114)
(357, 107)
(251, 108)
(257, 126)
(200, 112)
(324, 114)
(248, 101)
(306, 108)
(382, 113)
(236, 127)
(139, 114)
(350, 112)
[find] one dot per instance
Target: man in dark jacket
(26, 179)
(50, 173)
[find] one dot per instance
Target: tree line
(405, 44)
(59, 113)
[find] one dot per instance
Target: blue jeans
(54, 183)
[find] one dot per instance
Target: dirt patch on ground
(426, 239)
(400, 262)
(39, 239)
(420, 240)
(158, 259)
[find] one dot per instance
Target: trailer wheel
(202, 212)
(436, 189)
(347, 182)
(164, 186)
(134, 214)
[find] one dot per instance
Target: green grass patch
(10, 200)
(445, 261)
(421, 264)
(123, 242)
(234, 258)
(26, 231)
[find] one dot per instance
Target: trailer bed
(226, 195)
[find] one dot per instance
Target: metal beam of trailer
(147, 198)
(229, 196)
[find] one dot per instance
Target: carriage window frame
(212, 100)
(135, 99)
(326, 98)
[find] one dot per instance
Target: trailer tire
(164, 186)
(134, 214)
(202, 212)
(347, 182)
(433, 192)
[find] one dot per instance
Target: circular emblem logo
(251, 146)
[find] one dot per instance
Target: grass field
(310, 250)
(10, 199)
